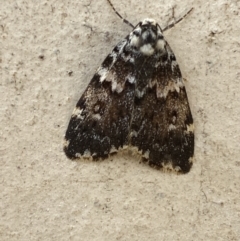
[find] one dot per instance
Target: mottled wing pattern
(100, 123)
(136, 98)
(162, 124)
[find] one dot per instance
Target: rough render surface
(49, 52)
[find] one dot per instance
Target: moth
(136, 99)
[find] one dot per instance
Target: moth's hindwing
(136, 98)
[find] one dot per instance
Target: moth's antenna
(179, 20)
(124, 20)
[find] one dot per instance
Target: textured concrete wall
(49, 50)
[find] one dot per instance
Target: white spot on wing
(146, 154)
(116, 87)
(172, 86)
(78, 155)
(139, 93)
(190, 160)
(169, 167)
(113, 149)
(102, 72)
(174, 64)
(171, 127)
(134, 41)
(96, 116)
(190, 128)
(119, 88)
(66, 143)
(86, 154)
(133, 134)
(174, 119)
(160, 44)
(125, 147)
(77, 112)
(114, 56)
(131, 79)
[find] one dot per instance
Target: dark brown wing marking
(100, 123)
(162, 124)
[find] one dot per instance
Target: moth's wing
(100, 122)
(162, 125)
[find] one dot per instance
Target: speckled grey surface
(49, 52)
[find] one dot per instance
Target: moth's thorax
(147, 37)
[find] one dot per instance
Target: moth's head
(147, 37)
